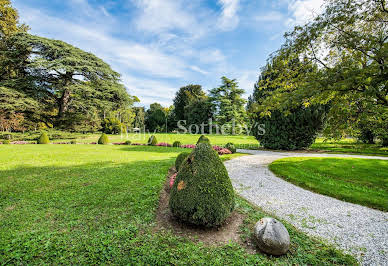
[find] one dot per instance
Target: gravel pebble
(358, 230)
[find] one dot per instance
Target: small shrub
(177, 144)
(43, 139)
(6, 141)
(103, 139)
(73, 141)
(180, 159)
(230, 146)
(152, 141)
(202, 193)
(203, 139)
(128, 142)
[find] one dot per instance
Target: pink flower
(188, 146)
(172, 179)
(164, 144)
(217, 148)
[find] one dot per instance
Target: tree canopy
(228, 103)
(347, 48)
(64, 79)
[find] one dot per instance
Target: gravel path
(356, 229)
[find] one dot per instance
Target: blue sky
(159, 46)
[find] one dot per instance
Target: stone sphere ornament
(271, 236)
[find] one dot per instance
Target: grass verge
(361, 181)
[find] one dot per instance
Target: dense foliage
(152, 141)
(230, 146)
(52, 83)
(202, 193)
(104, 140)
(297, 130)
(43, 139)
(184, 97)
(112, 126)
(228, 105)
(180, 159)
(286, 129)
(347, 45)
(177, 144)
(203, 139)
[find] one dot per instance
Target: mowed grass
(95, 204)
(240, 140)
(348, 146)
(361, 181)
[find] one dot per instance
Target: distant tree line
(192, 107)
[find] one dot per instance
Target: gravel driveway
(356, 229)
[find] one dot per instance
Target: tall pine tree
(228, 104)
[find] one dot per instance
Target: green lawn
(348, 146)
(95, 204)
(241, 141)
(361, 181)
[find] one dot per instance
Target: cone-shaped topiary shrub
(202, 193)
(43, 139)
(230, 146)
(152, 141)
(202, 139)
(180, 159)
(177, 144)
(103, 139)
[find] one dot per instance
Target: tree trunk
(64, 103)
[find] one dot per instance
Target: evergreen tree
(291, 129)
(155, 118)
(184, 97)
(228, 104)
(64, 79)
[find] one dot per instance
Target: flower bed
(164, 144)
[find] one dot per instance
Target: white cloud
(229, 18)
(303, 11)
(150, 91)
(161, 16)
(124, 53)
(269, 17)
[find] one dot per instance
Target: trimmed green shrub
(73, 141)
(180, 159)
(230, 146)
(202, 193)
(128, 142)
(297, 130)
(43, 139)
(152, 141)
(203, 139)
(103, 139)
(177, 144)
(5, 141)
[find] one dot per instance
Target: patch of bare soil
(209, 236)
